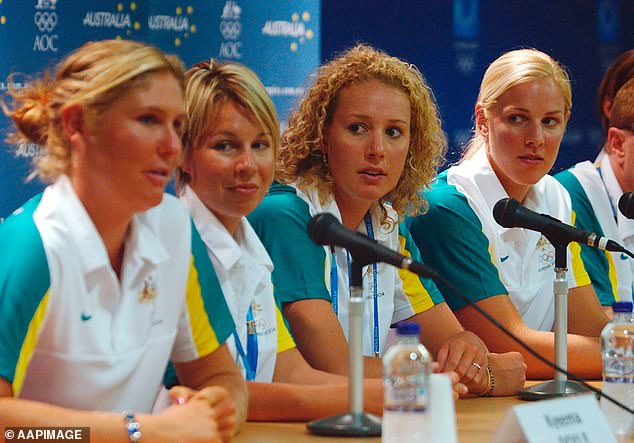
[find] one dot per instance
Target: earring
(324, 160)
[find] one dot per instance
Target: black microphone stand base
(553, 389)
(347, 425)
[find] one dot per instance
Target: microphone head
(626, 204)
(504, 212)
(324, 229)
(320, 227)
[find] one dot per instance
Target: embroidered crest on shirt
(148, 293)
(543, 244)
(546, 254)
(258, 324)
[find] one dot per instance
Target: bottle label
(405, 398)
(618, 370)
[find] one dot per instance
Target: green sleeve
(213, 298)
(213, 301)
(451, 240)
(24, 281)
(427, 288)
(594, 260)
(280, 222)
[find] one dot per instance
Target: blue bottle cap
(622, 306)
(408, 328)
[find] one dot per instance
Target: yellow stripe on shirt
(418, 296)
(199, 321)
(29, 344)
(284, 339)
(491, 257)
(578, 269)
(614, 279)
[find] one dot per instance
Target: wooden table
(477, 419)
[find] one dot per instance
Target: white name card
(443, 414)
(575, 419)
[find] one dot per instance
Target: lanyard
(334, 280)
(334, 285)
(250, 358)
(606, 190)
(375, 298)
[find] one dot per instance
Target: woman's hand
(508, 371)
(459, 389)
(207, 415)
(466, 355)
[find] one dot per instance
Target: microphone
(510, 213)
(626, 204)
(325, 229)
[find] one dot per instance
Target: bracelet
(491, 381)
(490, 384)
(132, 426)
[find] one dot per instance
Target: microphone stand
(355, 423)
(560, 386)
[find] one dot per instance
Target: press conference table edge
(477, 420)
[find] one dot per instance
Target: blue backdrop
(278, 39)
(453, 41)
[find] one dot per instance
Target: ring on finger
(478, 367)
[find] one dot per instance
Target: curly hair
(301, 160)
(209, 85)
(94, 76)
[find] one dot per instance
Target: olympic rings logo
(547, 257)
(45, 21)
(230, 30)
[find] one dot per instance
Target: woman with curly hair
(366, 138)
(230, 138)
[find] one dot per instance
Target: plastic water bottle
(406, 381)
(617, 347)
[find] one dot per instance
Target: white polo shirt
(74, 334)
(626, 225)
(460, 239)
(595, 192)
(244, 270)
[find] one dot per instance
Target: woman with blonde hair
(99, 286)
(366, 137)
(231, 136)
(520, 119)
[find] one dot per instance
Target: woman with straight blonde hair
(520, 119)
